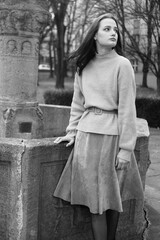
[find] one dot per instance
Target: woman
(101, 171)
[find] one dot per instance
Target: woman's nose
(113, 32)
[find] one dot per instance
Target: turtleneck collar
(110, 54)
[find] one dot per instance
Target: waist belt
(99, 111)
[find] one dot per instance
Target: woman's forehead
(108, 22)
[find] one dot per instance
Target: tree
(58, 8)
(70, 26)
(141, 41)
(134, 41)
(155, 59)
(146, 45)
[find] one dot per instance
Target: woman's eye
(107, 29)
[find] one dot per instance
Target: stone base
(29, 173)
(21, 122)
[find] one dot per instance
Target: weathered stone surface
(18, 122)
(19, 69)
(55, 120)
(11, 189)
(142, 156)
(4, 196)
(20, 17)
(21, 23)
(30, 170)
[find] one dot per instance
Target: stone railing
(29, 172)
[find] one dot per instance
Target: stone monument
(21, 23)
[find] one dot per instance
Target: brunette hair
(87, 50)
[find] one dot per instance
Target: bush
(149, 109)
(58, 97)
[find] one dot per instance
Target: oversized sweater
(108, 83)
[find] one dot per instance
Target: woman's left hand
(122, 164)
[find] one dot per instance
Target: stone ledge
(30, 170)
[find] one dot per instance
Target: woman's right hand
(68, 139)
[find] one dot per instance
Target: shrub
(58, 97)
(149, 109)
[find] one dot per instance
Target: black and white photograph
(80, 119)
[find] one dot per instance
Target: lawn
(46, 83)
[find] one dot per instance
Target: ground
(152, 187)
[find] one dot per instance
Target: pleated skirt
(90, 177)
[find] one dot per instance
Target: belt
(99, 111)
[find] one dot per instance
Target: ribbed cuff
(71, 133)
(124, 154)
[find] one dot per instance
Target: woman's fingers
(70, 143)
(116, 162)
(58, 140)
(64, 139)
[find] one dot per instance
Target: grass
(46, 83)
(146, 92)
(149, 92)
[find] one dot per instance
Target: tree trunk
(145, 73)
(158, 83)
(50, 55)
(144, 81)
(158, 63)
(60, 55)
(123, 28)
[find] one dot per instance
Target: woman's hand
(122, 164)
(68, 139)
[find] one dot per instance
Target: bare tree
(141, 42)
(70, 18)
(59, 8)
(155, 59)
(146, 46)
(78, 17)
(73, 16)
(135, 43)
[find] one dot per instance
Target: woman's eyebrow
(110, 26)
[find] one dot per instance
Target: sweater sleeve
(77, 108)
(126, 110)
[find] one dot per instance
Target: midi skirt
(90, 177)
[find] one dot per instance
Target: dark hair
(87, 50)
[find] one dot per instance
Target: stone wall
(55, 120)
(29, 172)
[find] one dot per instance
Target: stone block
(55, 120)
(30, 170)
(21, 121)
(11, 189)
(142, 156)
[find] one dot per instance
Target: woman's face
(107, 34)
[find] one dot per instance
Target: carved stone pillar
(21, 23)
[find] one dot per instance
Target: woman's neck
(103, 51)
(106, 54)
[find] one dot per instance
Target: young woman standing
(101, 171)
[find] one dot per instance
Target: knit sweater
(107, 82)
